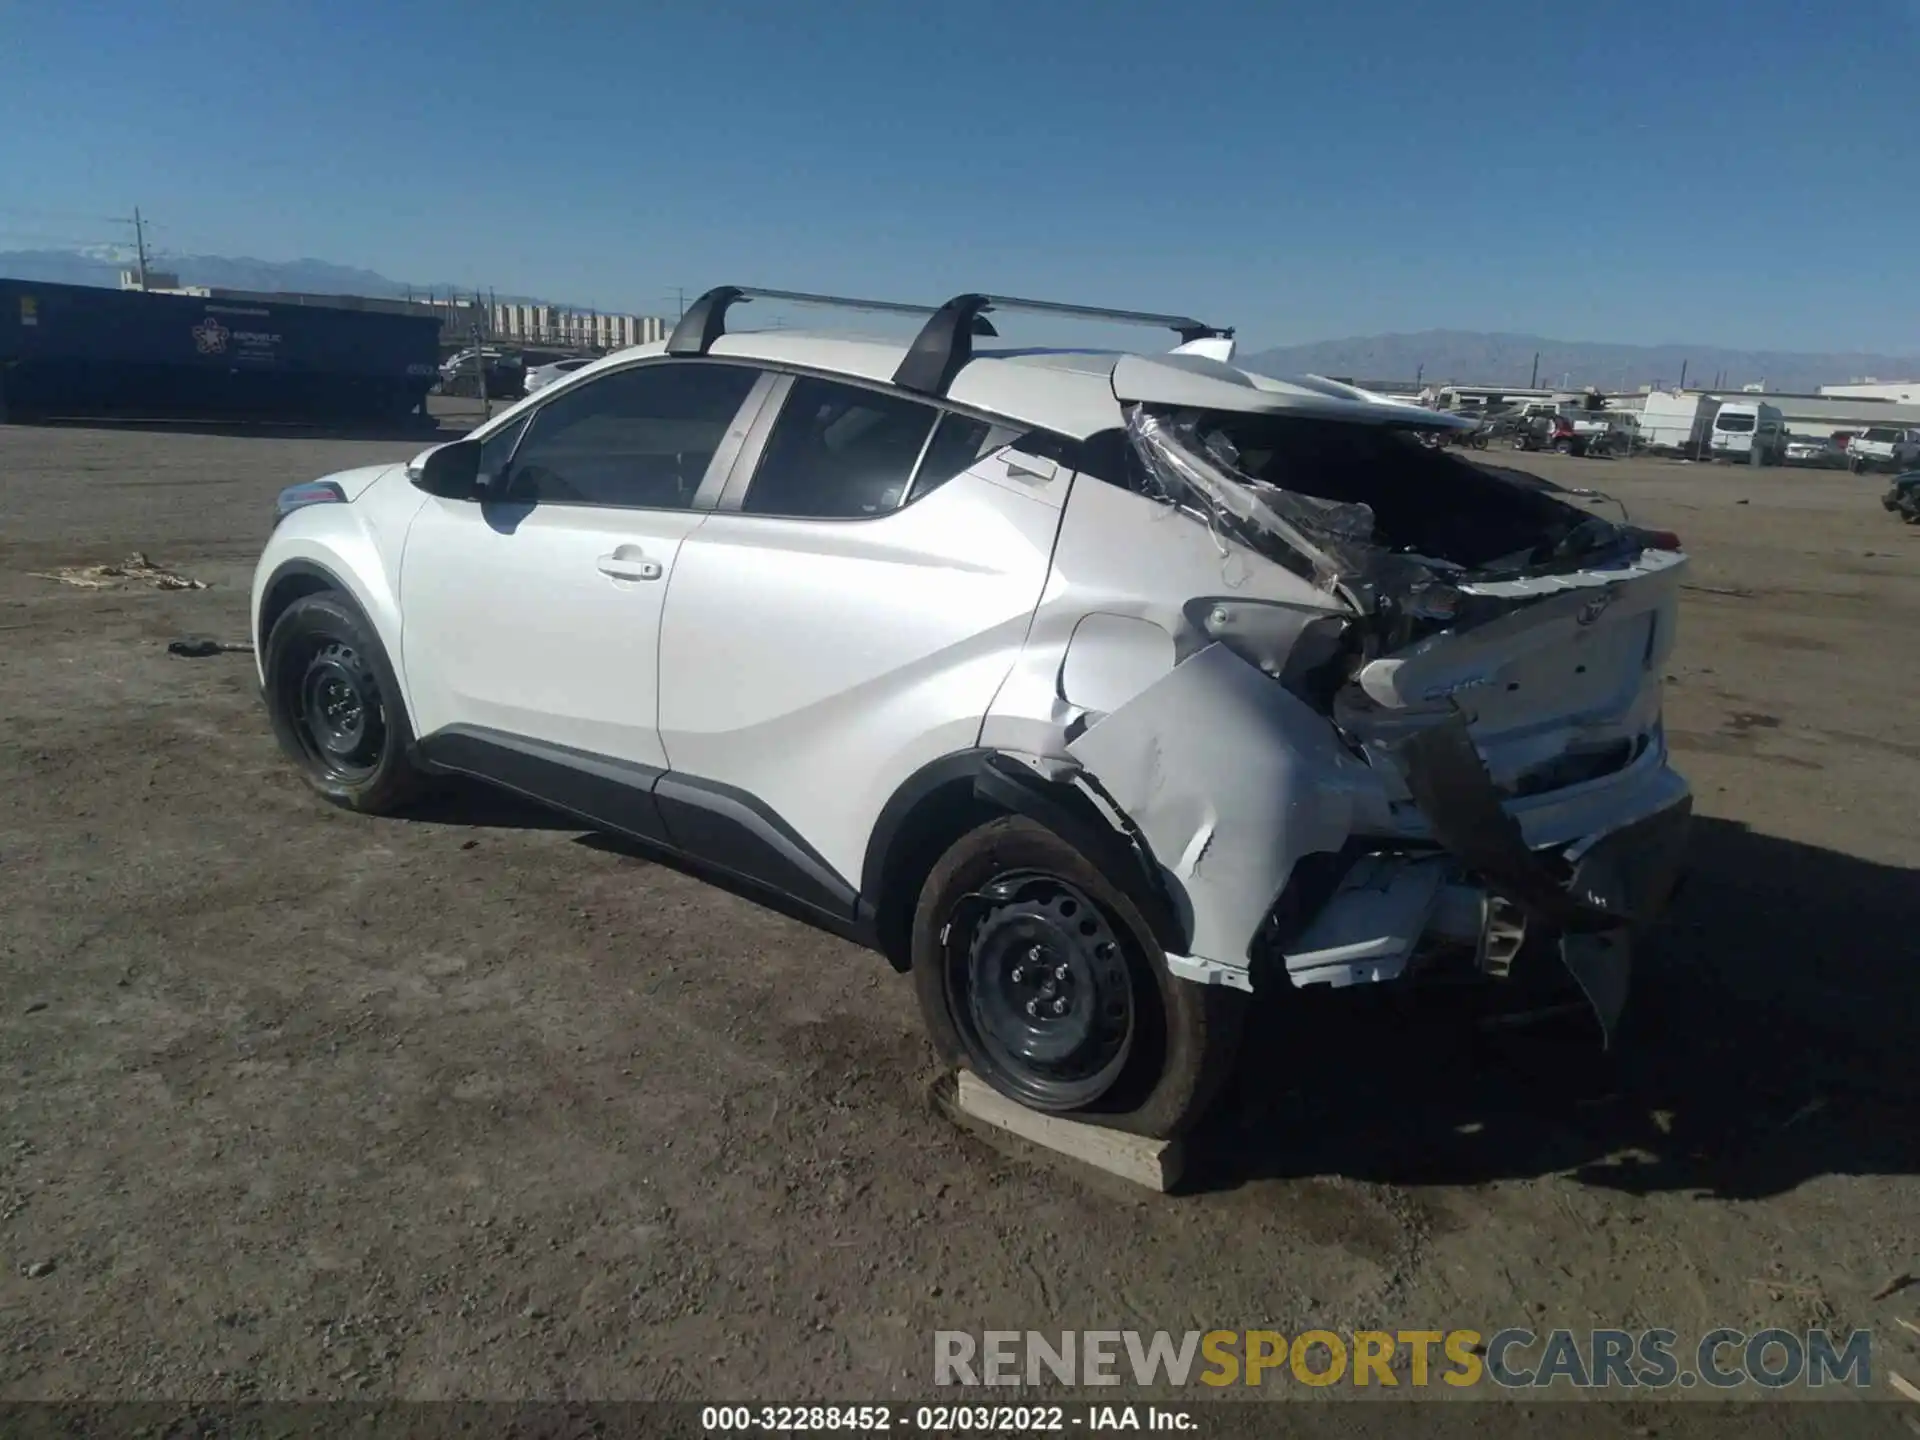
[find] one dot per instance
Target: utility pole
(480, 370)
(1534, 383)
(140, 245)
(1683, 375)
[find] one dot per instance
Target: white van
(1750, 431)
(1678, 420)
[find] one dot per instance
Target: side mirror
(450, 471)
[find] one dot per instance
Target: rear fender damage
(1229, 781)
(1224, 788)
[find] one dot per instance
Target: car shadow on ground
(467, 804)
(1769, 1042)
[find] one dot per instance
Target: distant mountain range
(1436, 356)
(1467, 356)
(102, 266)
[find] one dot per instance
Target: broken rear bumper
(1489, 886)
(1484, 879)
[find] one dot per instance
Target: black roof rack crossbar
(945, 342)
(705, 321)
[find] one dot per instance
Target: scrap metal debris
(1893, 1287)
(136, 567)
(195, 646)
(1732, 590)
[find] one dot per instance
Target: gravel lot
(474, 1105)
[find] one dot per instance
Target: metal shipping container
(78, 350)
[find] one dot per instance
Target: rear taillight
(1659, 540)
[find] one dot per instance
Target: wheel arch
(291, 581)
(299, 576)
(945, 799)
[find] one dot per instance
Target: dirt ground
(300, 1104)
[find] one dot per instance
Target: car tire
(1011, 918)
(336, 707)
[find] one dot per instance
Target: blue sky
(1738, 172)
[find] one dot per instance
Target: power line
(40, 214)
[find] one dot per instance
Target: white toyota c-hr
(1094, 689)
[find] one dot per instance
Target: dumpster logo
(210, 337)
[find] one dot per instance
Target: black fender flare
(308, 570)
(312, 570)
(1004, 784)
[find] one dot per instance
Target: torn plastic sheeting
(1333, 538)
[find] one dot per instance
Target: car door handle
(629, 567)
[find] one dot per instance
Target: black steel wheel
(1041, 975)
(1039, 990)
(338, 711)
(335, 706)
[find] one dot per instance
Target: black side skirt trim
(711, 824)
(731, 829)
(616, 794)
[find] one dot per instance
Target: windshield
(1740, 423)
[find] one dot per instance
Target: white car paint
(892, 636)
(543, 622)
(813, 666)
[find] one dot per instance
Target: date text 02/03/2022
(941, 1419)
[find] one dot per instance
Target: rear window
(1882, 433)
(840, 452)
(1738, 423)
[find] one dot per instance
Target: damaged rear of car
(1365, 710)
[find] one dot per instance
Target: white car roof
(1072, 392)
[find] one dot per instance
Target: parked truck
(1573, 430)
(1678, 420)
(1883, 447)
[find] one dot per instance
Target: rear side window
(839, 452)
(958, 441)
(638, 438)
